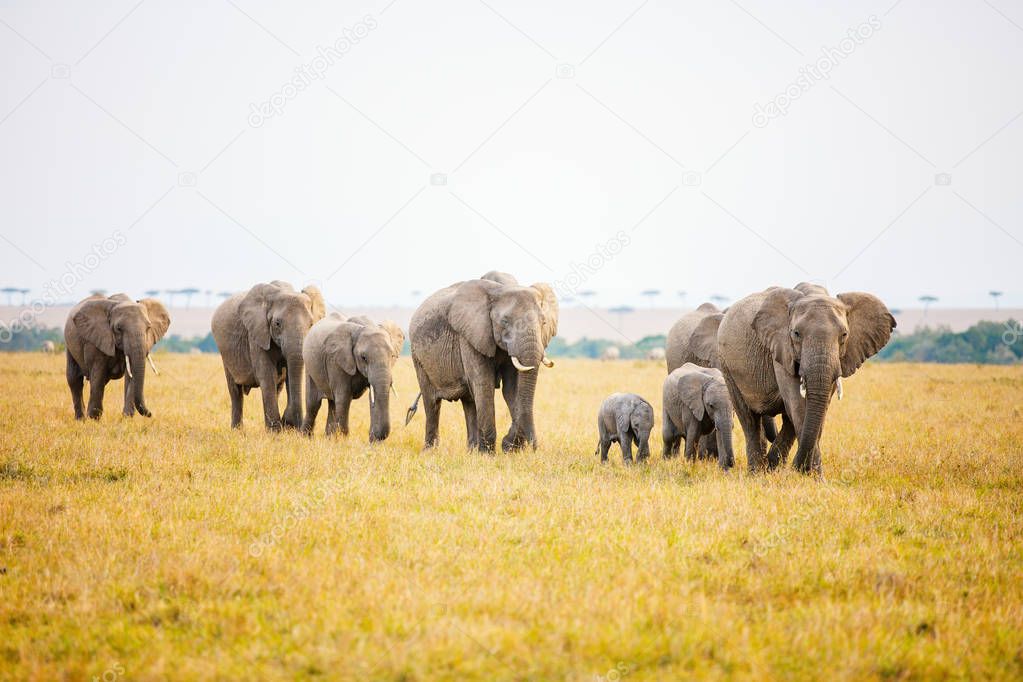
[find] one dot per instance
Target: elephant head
(275, 315)
(517, 320)
(703, 391)
(370, 350)
(819, 339)
(121, 327)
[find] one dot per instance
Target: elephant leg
(643, 445)
(625, 442)
(237, 398)
(313, 401)
(431, 406)
(269, 385)
(97, 383)
(752, 426)
(692, 439)
(779, 452)
(483, 397)
(472, 434)
(342, 406)
(75, 382)
(708, 446)
(670, 435)
(770, 428)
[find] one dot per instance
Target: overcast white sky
(111, 111)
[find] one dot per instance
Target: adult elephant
(785, 351)
(345, 357)
(110, 338)
(259, 334)
(469, 336)
(694, 338)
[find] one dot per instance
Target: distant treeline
(998, 343)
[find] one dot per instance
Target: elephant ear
(704, 341)
(691, 389)
(771, 324)
(469, 315)
(93, 322)
(254, 310)
(870, 328)
(159, 320)
(549, 308)
(340, 346)
(397, 337)
(317, 305)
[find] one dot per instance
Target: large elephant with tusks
(472, 337)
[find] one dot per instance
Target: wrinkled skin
(344, 357)
(696, 403)
(626, 419)
(771, 342)
(464, 339)
(259, 334)
(694, 338)
(106, 336)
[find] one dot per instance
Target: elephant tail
(412, 409)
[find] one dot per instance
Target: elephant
(610, 353)
(694, 338)
(110, 338)
(343, 358)
(696, 403)
(783, 351)
(259, 334)
(655, 354)
(500, 277)
(471, 337)
(49, 347)
(625, 418)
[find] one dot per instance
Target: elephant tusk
(547, 362)
(519, 366)
(372, 396)
(802, 387)
(838, 387)
(127, 367)
(152, 364)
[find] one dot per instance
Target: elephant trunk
(819, 383)
(135, 354)
(380, 407)
(723, 426)
(531, 356)
(293, 412)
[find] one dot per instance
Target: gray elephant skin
(626, 419)
(259, 334)
(696, 404)
(694, 338)
(345, 358)
(473, 337)
(110, 338)
(785, 351)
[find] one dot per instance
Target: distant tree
(209, 295)
(995, 295)
(152, 293)
(621, 311)
(9, 291)
(24, 293)
(719, 299)
(682, 295)
(588, 293)
(651, 294)
(927, 300)
(188, 292)
(224, 294)
(170, 296)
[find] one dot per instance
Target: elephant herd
(777, 352)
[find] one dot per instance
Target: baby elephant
(696, 403)
(343, 359)
(625, 418)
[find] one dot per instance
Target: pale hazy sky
(136, 118)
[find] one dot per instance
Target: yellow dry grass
(175, 547)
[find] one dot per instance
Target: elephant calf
(343, 358)
(625, 418)
(696, 404)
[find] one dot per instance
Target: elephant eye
(795, 333)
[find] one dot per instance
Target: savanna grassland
(176, 547)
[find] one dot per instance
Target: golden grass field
(176, 547)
